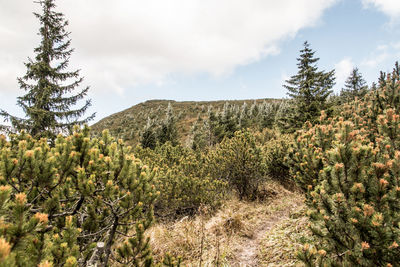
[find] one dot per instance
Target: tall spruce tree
(49, 84)
(355, 86)
(309, 88)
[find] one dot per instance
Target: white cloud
(375, 60)
(389, 7)
(343, 69)
(382, 53)
(382, 47)
(122, 43)
(284, 76)
(396, 46)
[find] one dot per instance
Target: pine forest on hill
(130, 123)
(311, 180)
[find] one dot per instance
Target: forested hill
(129, 123)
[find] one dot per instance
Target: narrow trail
(247, 252)
(238, 234)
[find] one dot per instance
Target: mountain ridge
(128, 123)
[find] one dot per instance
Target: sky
(130, 51)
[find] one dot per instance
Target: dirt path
(236, 235)
(246, 253)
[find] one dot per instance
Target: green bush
(57, 203)
(306, 155)
(180, 179)
(276, 148)
(349, 167)
(240, 162)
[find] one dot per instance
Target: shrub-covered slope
(128, 123)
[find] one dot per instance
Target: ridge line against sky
(132, 51)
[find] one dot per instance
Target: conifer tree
(48, 103)
(228, 120)
(200, 132)
(149, 137)
(349, 168)
(355, 86)
(268, 114)
(212, 126)
(309, 88)
(167, 130)
(245, 117)
(254, 109)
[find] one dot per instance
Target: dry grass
(236, 234)
(280, 244)
(183, 238)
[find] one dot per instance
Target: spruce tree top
(49, 84)
(309, 88)
(355, 86)
(309, 82)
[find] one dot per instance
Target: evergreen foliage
(159, 131)
(67, 205)
(49, 84)
(167, 131)
(267, 114)
(218, 125)
(349, 168)
(192, 119)
(181, 180)
(309, 88)
(200, 134)
(149, 135)
(284, 116)
(240, 162)
(229, 121)
(275, 149)
(355, 86)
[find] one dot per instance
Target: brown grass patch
(280, 244)
(231, 234)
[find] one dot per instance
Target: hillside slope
(128, 123)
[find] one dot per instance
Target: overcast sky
(130, 51)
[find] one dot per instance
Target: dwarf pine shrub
(181, 181)
(275, 148)
(240, 162)
(349, 168)
(66, 205)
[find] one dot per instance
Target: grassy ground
(260, 233)
(281, 242)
